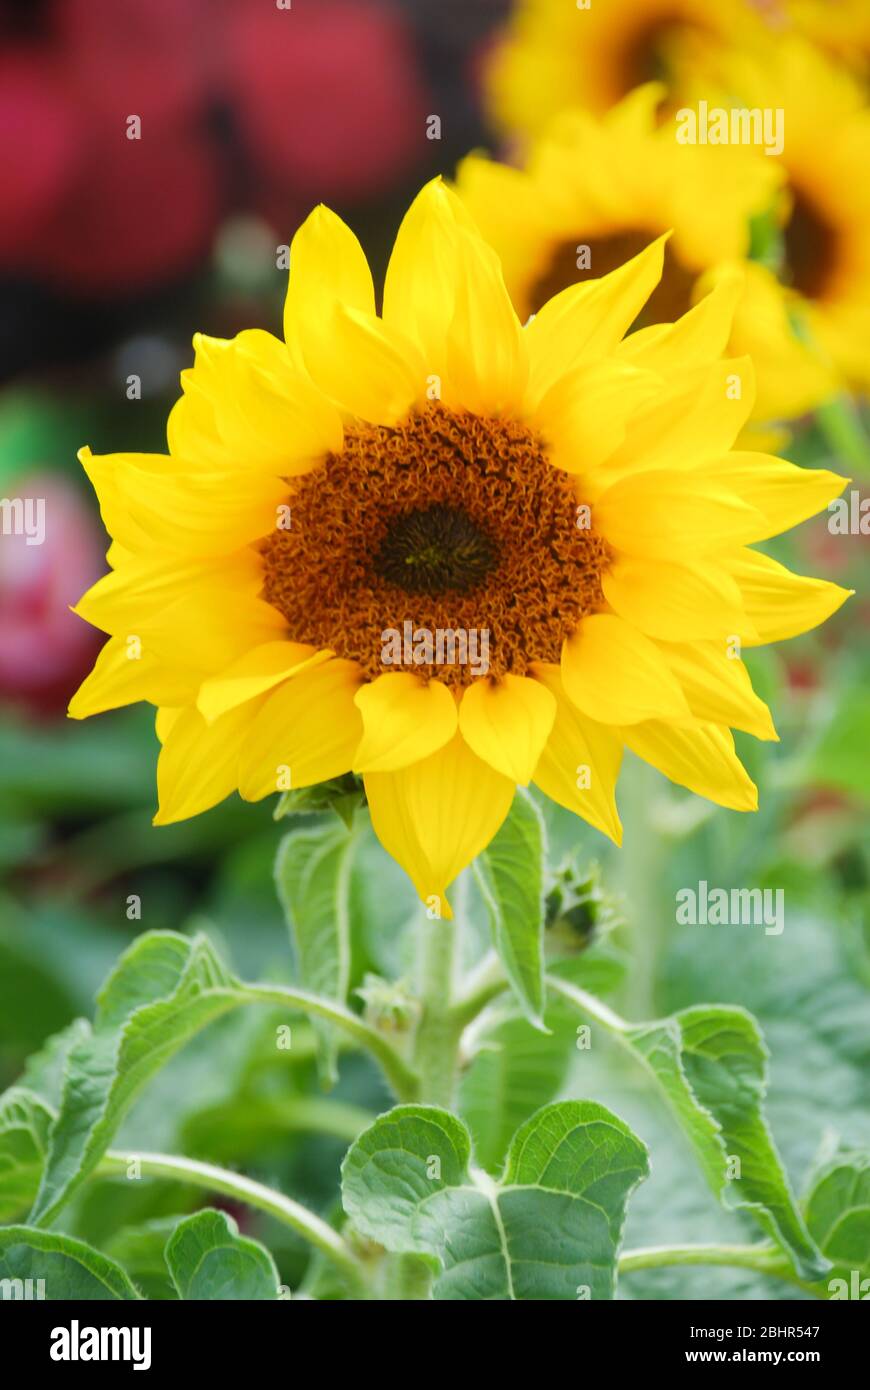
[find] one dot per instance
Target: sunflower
(825, 208)
(593, 190)
(556, 54)
(374, 484)
(841, 28)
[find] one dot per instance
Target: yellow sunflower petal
(327, 267)
(795, 374)
(683, 600)
(701, 335)
(701, 759)
(148, 502)
(659, 514)
(507, 723)
(306, 731)
(404, 720)
(616, 675)
(191, 429)
(143, 583)
(123, 674)
(486, 356)
(435, 816)
(199, 763)
(164, 720)
(782, 493)
(718, 688)
(579, 765)
(778, 603)
(255, 672)
(587, 321)
(369, 368)
(584, 416)
(269, 416)
(696, 416)
(420, 283)
(208, 629)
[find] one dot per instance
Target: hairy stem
(589, 1005)
(402, 1078)
(486, 983)
(763, 1259)
(437, 1033)
(253, 1194)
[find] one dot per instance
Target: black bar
(259, 1338)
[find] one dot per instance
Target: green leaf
(711, 1062)
(44, 1070)
(549, 1228)
(343, 795)
(842, 758)
(312, 872)
(25, 1120)
(140, 1250)
(208, 1259)
(69, 1268)
(164, 989)
(510, 872)
(515, 1071)
(838, 1215)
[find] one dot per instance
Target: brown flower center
(670, 299)
(810, 248)
(450, 523)
(644, 57)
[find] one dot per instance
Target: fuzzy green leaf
(68, 1268)
(312, 873)
(208, 1259)
(164, 989)
(510, 872)
(549, 1228)
(838, 1215)
(25, 1120)
(711, 1062)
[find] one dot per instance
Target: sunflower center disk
(447, 523)
(434, 551)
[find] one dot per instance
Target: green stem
(588, 1004)
(843, 429)
(413, 1279)
(317, 1115)
(437, 1033)
(763, 1259)
(486, 984)
(402, 1078)
(253, 1194)
(640, 872)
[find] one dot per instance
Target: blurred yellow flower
(332, 507)
(841, 28)
(557, 54)
(825, 209)
(594, 190)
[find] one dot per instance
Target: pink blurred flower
(45, 650)
(91, 210)
(325, 98)
(328, 94)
